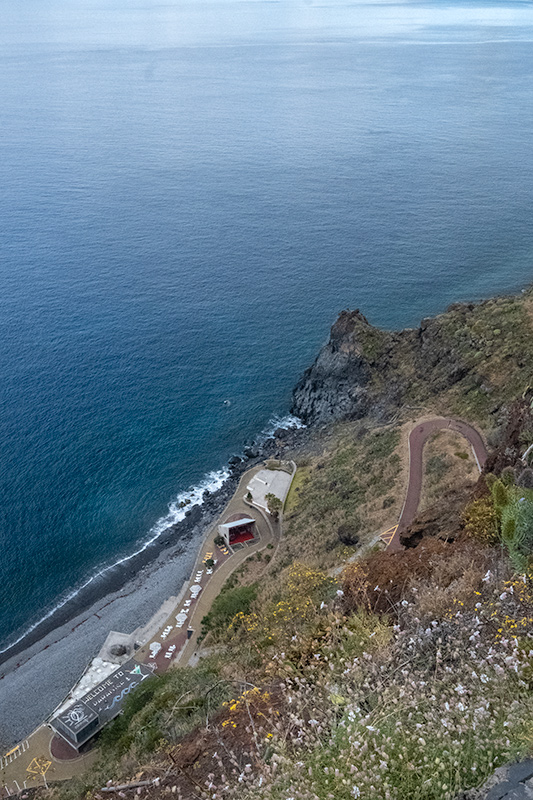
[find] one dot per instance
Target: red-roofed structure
(237, 529)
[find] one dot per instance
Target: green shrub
(517, 532)
(500, 495)
(508, 476)
(274, 504)
(481, 520)
(228, 603)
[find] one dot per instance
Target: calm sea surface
(190, 192)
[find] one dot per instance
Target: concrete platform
(269, 481)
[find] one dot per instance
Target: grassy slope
(297, 628)
(359, 483)
(449, 463)
(492, 343)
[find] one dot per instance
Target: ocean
(191, 191)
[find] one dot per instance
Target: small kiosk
(237, 529)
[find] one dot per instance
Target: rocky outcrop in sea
(341, 384)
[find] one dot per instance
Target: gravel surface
(35, 681)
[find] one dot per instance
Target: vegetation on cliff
(408, 678)
(334, 670)
(471, 361)
(347, 493)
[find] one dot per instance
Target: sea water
(190, 192)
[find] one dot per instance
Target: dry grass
(358, 482)
(435, 573)
(448, 464)
(300, 479)
(455, 581)
(255, 567)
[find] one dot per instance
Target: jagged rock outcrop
(341, 384)
(474, 356)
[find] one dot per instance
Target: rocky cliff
(470, 360)
(343, 381)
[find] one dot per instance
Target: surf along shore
(37, 673)
(362, 373)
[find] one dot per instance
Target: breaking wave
(177, 510)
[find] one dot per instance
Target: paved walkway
(417, 439)
(32, 763)
(176, 638)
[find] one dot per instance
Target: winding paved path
(417, 440)
(38, 757)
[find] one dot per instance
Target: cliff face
(471, 360)
(336, 386)
(352, 376)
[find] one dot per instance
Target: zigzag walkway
(417, 439)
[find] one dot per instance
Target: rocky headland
(330, 613)
(470, 360)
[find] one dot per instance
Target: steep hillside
(350, 672)
(471, 360)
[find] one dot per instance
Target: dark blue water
(190, 192)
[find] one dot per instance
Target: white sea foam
(287, 422)
(186, 500)
(176, 513)
(177, 510)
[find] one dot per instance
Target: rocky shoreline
(37, 672)
(365, 371)
(169, 545)
(362, 372)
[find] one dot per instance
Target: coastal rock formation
(341, 382)
(471, 360)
